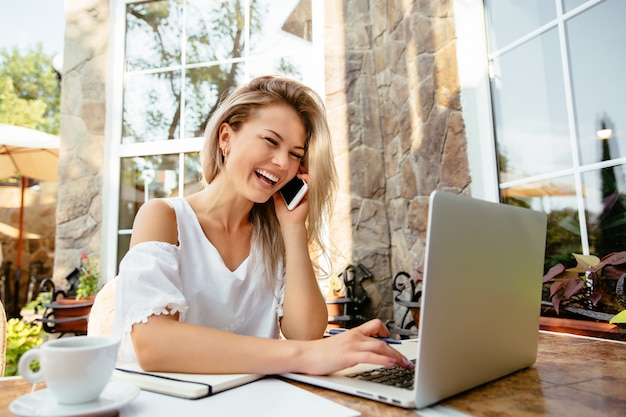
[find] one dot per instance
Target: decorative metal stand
(64, 314)
(348, 310)
(408, 290)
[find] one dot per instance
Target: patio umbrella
(27, 153)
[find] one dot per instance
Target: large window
(175, 61)
(557, 87)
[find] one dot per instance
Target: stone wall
(83, 110)
(394, 106)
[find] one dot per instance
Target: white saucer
(42, 404)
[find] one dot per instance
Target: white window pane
(595, 38)
(281, 30)
(215, 30)
(605, 207)
(153, 31)
(569, 5)
(204, 86)
(151, 107)
(530, 110)
(509, 20)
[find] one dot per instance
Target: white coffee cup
(75, 369)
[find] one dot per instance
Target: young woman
(221, 281)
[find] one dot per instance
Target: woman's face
(265, 153)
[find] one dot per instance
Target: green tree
(30, 94)
(215, 33)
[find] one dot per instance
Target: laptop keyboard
(394, 376)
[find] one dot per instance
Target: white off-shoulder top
(191, 279)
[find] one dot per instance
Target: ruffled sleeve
(148, 284)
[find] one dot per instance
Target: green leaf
(586, 260)
(619, 318)
(21, 337)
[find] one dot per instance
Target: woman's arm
(164, 344)
(305, 315)
(304, 309)
(155, 221)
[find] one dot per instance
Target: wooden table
(573, 376)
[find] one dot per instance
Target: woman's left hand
(355, 346)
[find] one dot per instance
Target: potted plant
(89, 278)
(71, 311)
(334, 291)
(593, 288)
(346, 297)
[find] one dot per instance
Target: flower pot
(334, 309)
(70, 314)
(415, 312)
(337, 315)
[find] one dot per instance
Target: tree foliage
(215, 39)
(30, 94)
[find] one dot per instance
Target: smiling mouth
(266, 177)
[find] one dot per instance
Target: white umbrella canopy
(28, 153)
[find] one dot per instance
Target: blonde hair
(318, 160)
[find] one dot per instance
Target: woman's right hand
(355, 346)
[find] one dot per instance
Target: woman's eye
(271, 140)
(297, 156)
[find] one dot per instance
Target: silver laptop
(480, 303)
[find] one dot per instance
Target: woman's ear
(224, 137)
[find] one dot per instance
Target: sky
(25, 23)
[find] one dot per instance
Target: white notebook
(190, 386)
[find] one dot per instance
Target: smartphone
(293, 192)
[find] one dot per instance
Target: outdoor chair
(3, 339)
(5, 272)
(36, 270)
(101, 318)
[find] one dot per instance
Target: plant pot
(336, 308)
(70, 314)
(415, 312)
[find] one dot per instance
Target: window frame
(476, 98)
(115, 150)
(473, 68)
